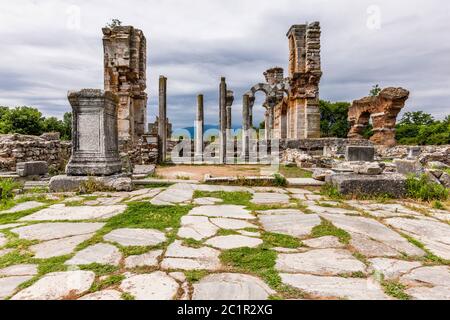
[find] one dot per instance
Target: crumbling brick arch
(383, 110)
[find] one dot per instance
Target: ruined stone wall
(125, 75)
(383, 110)
(16, 148)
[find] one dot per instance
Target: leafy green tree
(420, 128)
(375, 91)
(66, 134)
(417, 118)
(334, 119)
(23, 120)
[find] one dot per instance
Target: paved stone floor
(193, 241)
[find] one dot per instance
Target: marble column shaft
(199, 127)
(162, 120)
(223, 120)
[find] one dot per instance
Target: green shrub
(279, 180)
(6, 189)
(331, 191)
(425, 190)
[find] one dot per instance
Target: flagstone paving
(167, 243)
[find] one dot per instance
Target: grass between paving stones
(192, 243)
(294, 172)
(280, 240)
(261, 262)
(127, 296)
(110, 281)
(429, 258)
(193, 276)
(326, 228)
(395, 289)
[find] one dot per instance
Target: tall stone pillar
(223, 120)
(95, 145)
(230, 100)
(245, 127)
(199, 126)
(162, 123)
(266, 124)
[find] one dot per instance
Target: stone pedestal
(94, 130)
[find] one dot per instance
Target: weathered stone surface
(207, 201)
(61, 212)
(153, 286)
(376, 231)
(270, 198)
(383, 209)
(179, 276)
(5, 252)
(321, 174)
(95, 112)
(31, 168)
(392, 184)
(57, 286)
(144, 169)
(368, 168)
(359, 153)
(222, 211)
(336, 287)
(149, 259)
(435, 276)
(177, 193)
(323, 242)
(298, 191)
(103, 295)
(180, 257)
(406, 167)
(383, 110)
(19, 270)
(331, 210)
(24, 206)
(63, 183)
(290, 222)
(57, 230)
(232, 224)
(10, 225)
(392, 268)
(196, 227)
(445, 180)
(426, 293)
(136, 237)
(58, 247)
(320, 262)
(233, 241)
(101, 253)
(371, 248)
(433, 234)
(231, 286)
(9, 285)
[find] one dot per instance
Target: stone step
(143, 182)
(29, 185)
(304, 182)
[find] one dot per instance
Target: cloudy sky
(51, 46)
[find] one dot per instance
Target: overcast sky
(51, 46)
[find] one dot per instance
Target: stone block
(32, 168)
(408, 166)
(144, 169)
(359, 153)
(392, 184)
(95, 148)
(64, 183)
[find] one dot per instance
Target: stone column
(266, 124)
(245, 127)
(95, 145)
(162, 122)
(199, 126)
(223, 120)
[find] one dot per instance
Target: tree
(420, 128)
(334, 119)
(67, 128)
(23, 120)
(375, 91)
(417, 118)
(114, 23)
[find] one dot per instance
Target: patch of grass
(14, 257)
(226, 232)
(361, 258)
(127, 296)
(395, 289)
(54, 264)
(183, 177)
(74, 203)
(92, 185)
(6, 189)
(331, 192)
(292, 171)
(195, 275)
(133, 250)
(326, 228)
(237, 198)
(148, 216)
(425, 190)
(279, 180)
(259, 261)
(99, 269)
(189, 242)
(108, 282)
(438, 205)
(429, 258)
(281, 240)
(357, 274)
(13, 217)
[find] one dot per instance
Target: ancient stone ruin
(125, 63)
(383, 110)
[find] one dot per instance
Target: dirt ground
(198, 172)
